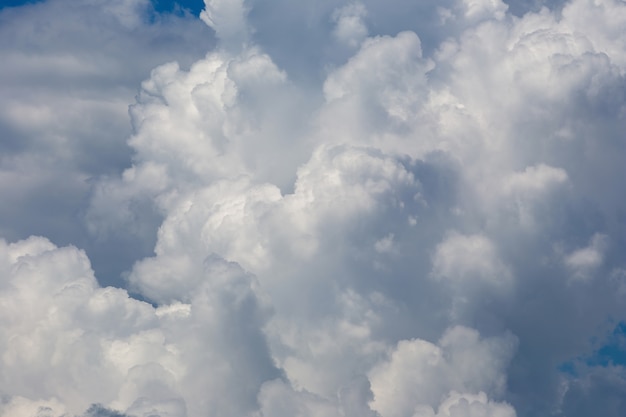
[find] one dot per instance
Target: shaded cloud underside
(407, 210)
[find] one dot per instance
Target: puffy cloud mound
(427, 222)
(420, 374)
(69, 342)
(68, 76)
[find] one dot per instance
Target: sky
(268, 208)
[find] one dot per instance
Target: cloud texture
(405, 209)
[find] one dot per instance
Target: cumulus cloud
(419, 374)
(74, 343)
(350, 29)
(68, 76)
(583, 261)
(354, 209)
(465, 258)
(228, 20)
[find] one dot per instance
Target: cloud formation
(386, 213)
(68, 76)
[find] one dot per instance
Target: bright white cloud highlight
(419, 374)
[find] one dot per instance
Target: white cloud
(477, 9)
(23, 407)
(584, 261)
(462, 405)
(464, 260)
(75, 343)
(534, 179)
(384, 245)
(278, 399)
(350, 29)
(68, 76)
(228, 19)
(375, 98)
(354, 209)
(419, 374)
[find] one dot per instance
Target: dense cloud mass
(357, 209)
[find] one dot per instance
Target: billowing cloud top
(385, 209)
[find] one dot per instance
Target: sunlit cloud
(405, 209)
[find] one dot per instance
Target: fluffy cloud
(419, 374)
(228, 20)
(369, 217)
(350, 29)
(74, 343)
(462, 258)
(583, 261)
(460, 405)
(68, 76)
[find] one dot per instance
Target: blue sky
(14, 3)
(340, 208)
(194, 6)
